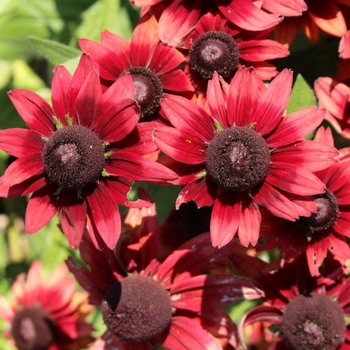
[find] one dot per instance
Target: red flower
(245, 154)
(79, 157)
(153, 66)
(177, 18)
(46, 313)
(217, 45)
(325, 230)
(305, 312)
(335, 96)
(130, 281)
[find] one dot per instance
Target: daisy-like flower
(46, 312)
(303, 312)
(79, 157)
(324, 231)
(328, 16)
(335, 97)
(217, 45)
(177, 18)
(145, 302)
(244, 154)
(153, 66)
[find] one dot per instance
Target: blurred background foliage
(36, 35)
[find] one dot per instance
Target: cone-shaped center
(32, 329)
(237, 159)
(326, 214)
(214, 51)
(148, 89)
(313, 322)
(137, 309)
(74, 157)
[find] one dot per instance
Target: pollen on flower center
(313, 322)
(237, 159)
(74, 157)
(137, 309)
(148, 89)
(326, 214)
(214, 51)
(32, 329)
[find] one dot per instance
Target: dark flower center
(74, 157)
(148, 89)
(313, 322)
(137, 309)
(214, 51)
(237, 159)
(326, 214)
(32, 329)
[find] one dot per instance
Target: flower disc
(74, 157)
(237, 159)
(214, 51)
(137, 309)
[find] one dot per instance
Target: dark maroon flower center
(148, 89)
(214, 51)
(137, 309)
(74, 157)
(32, 329)
(313, 322)
(326, 214)
(237, 159)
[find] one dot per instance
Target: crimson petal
(34, 110)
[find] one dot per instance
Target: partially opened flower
(146, 302)
(245, 154)
(325, 16)
(326, 230)
(46, 312)
(177, 18)
(335, 96)
(303, 312)
(154, 67)
(217, 45)
(79, 157)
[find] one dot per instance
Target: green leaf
(53, 51)
(105, 15)
(302, 96)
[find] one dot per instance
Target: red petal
(180, 145)
(89, 100)
(40, 211)
(243, 97)
(73, 221)
(137, 168)
(144, 41)
(344, 46)
(26, 187)
(273, 102)
(103, 211)
(296, 126)
(186, 115)
(176, 81)
(246, 15)
(249, 225)
(261, 50)
(182, 18)
(60, 87)
(224, 222)
(122, 88)
(23, 169)
(34, 110)
(185, 333)
(118, 121)
(288, 8)
(196, 191)
(19, 142)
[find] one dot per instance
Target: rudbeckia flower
(145, 302)
(46, 312)
(244, 154)
(80, 156)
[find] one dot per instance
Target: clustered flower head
(254, 195)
